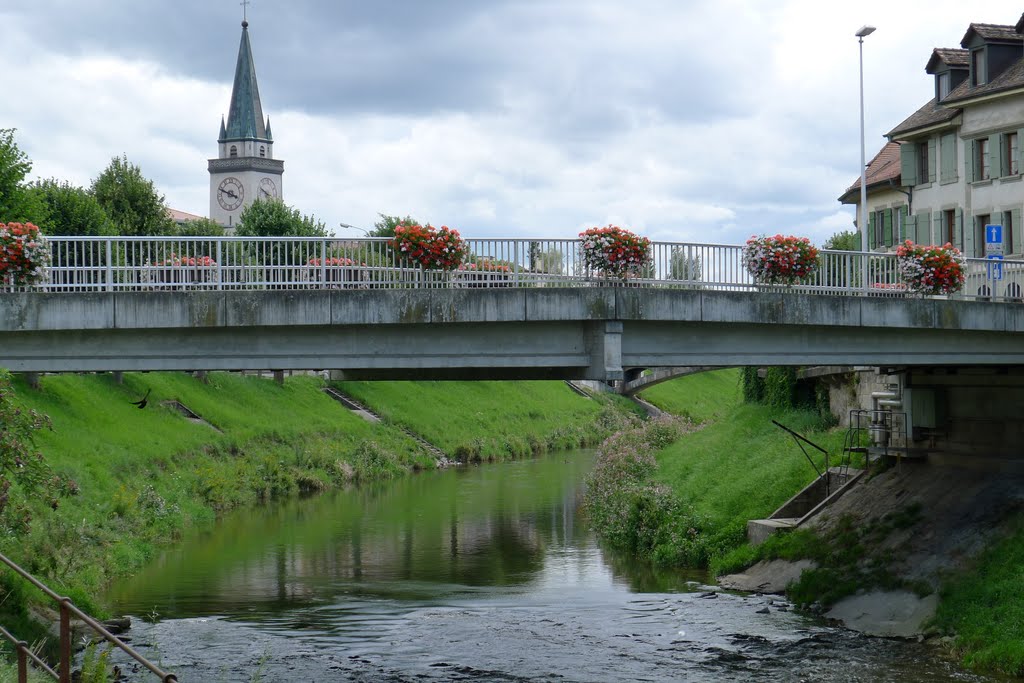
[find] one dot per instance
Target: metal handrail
(67, 609)
(121, 263)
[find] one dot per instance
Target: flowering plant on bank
(485, 266)
(931, 269)
(24, 254)
(436, 248)
(779, 260)
(614, 251)
(187, 261)
(331, 261)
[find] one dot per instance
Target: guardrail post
(220, 265)
(65, 641)
(110, 266)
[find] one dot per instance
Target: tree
(17, 204)
(131, 201)
(847, 240)
(70, 210)
(385, 227)
(683, 265)
(200, 227)
(273, 218)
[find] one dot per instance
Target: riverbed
(482, 573)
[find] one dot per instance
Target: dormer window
(944, 85)
(233, 152)
(978, 70)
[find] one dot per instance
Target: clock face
(267, 189)
(230, 194)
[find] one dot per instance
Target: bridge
(124, 304)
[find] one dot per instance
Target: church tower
(245, 168)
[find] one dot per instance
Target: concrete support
(118, 377)
(32, 379)
(201, 375)
(279, 377)
(606, 351)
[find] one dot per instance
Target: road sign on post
(995, 266)
(993, 240)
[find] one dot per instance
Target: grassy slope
(490, 420)
(740, 466)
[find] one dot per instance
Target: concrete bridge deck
(573, 333)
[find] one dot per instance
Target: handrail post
(110, 266)
(22, 662)
(220, 265)
(65, 641)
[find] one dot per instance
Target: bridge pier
(606, 351)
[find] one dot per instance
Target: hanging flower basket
(779, 260)
(615, 252)
(930, 270)
(24, 255)
(431, 248)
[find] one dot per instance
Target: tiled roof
(950, 56)
(928, 115)
(883, 168)
(992, 32)
(182, 216)
(1011, 78)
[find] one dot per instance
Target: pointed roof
(883, 168)
(245, 117)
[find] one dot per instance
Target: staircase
(370, 416)
(814, 498)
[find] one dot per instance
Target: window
(982, 167)
(979, 234)
(948, 227)
(1008, 232)
(978, 67)
(878, 238)
(922, 162)
(1011, 154)
(263, 151)
(233, 151)
(944, 80)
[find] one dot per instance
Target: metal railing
(67, 609)
(90, 264)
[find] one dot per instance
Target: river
(470, 574)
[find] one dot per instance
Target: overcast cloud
(693, 121)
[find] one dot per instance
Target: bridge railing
(221, 263)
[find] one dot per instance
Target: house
(960, 156)
(888, 200)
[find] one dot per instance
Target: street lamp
(346, 226)
(864, 31)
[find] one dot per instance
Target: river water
(470, 574)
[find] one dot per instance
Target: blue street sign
(993, 240)
(995, 266)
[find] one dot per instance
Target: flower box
(613, 252)
(430, 248)
(337, 271)
(181, 271)
(24, 255)
(930, 270)
(780, 260)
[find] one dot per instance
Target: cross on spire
(245, 6)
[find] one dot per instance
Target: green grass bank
(145, 475)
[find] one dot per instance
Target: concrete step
(760, 529)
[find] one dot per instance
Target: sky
(691, 121)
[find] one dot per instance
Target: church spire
(245, 117)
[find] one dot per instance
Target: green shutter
(999, 151)
(947, 158)
(962, 239)
(1015, 230)
(931, 160)
(887, 229)
(908, 164)
(969, 160)
(909, 226)
(924, 228)
(937, 230)
(904, 232)
(871, 230)
(987, 157)
(1020, 151)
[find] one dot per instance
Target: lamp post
(864, 31)
(346, 226)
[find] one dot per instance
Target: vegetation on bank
(730, 465)
(142, 476)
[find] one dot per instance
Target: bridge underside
(596, 333)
